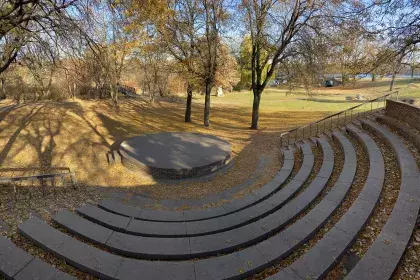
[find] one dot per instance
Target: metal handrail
(315, 126)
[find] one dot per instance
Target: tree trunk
(391, 86)
(189, 100)
(116, 98)
(344, 79)
(412, 72)
(9, 60)
(373, 77)
(207, 104)
(3, 89)
(256, 108)
(74, 90)
(114, 95)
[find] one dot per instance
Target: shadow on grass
(78, 134)
(25, 121)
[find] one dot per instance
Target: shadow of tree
(23, 124)
(79, 134)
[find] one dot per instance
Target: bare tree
(155, 66)
(308, 65)
(273, 26)
(396, 22)
(109, 45)
(412, 60)
(395, 67)
(40, 60)
(22, 21)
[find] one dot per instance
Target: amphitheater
(322, 199)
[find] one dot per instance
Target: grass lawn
(78, 133)
(322, 99)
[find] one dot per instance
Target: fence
(333, 121)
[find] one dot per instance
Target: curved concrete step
(327, 252)
(402, 128)
(209, 213)
(237, 265)
(19, 265)
(142, 201)
(384, 254)
(199, 246)
(210, 226)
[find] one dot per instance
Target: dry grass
(78, 134)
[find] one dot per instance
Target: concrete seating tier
(236, 264)
(259, 231)
(383, 256)
(318, 261)
(214, 212)
(209, 226)
(211, 244)
(171, 205)
(17, 264)
(402, 128)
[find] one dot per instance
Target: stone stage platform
(175, 155)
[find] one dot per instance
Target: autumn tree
(190, 31)
(244, 61)
(227, 74)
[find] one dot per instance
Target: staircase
(301, 225)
